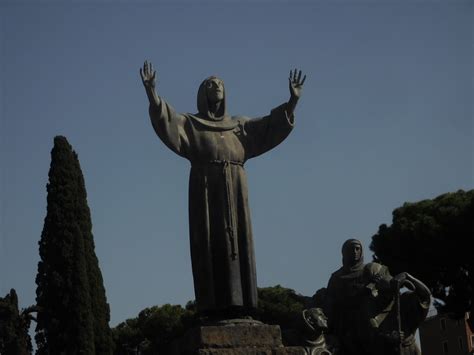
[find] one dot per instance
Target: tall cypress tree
(73, 314)
(100, 309)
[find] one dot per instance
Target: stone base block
(233, 339)
(294, 350)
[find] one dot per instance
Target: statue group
(365, 312)
(362, 311)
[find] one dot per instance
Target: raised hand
(148, 75)
(296, 83)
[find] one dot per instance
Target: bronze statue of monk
(217, 146)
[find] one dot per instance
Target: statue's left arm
(421, 290)
(267, 132)
(414, 304)
(417, 287)
(295, 84)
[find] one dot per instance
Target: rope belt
(218, 162)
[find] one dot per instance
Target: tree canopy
(434, 240)
(155, 327)
(73, 314)
(280, 305)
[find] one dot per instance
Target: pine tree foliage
(434, 240)
(280, 305)
(73, 313)
(153, 329)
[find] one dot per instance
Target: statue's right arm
(168, 125)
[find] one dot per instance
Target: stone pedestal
(233, 339)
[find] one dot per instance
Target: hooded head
(352, 254)
(211, 91)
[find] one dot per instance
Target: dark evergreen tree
(73, 314)
(434, 241)
(100, 309)
(14, 326)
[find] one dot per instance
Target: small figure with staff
(399, 316)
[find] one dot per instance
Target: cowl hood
(346, 259)
(203, 103)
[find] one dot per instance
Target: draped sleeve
(265, 133)
(170, 127)
(414, 311)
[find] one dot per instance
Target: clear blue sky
(386, 117)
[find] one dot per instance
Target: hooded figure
(345, 300)
(217, 146)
